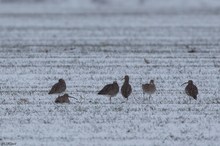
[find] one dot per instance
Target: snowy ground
(94, 42)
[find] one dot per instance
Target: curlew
(126, 88)
(149, 88)
(63, 99)
(58, 87)
(110, 90)
(191, 89)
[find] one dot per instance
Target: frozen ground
(91, 43)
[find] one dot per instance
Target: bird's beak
(122, 78)
(184, 83)
(73, 97)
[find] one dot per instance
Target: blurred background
(111, 6)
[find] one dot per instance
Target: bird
(149, 88)
(126, 88)
(58, 87)
(63, 99)
(110, 90)
(191, 89)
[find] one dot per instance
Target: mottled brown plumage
(58, 87)
(149, 88)
(191, 89)
(126, 88)
(62, 99)
(110, 90)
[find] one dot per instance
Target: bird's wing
(129, 89)
(195, 89)
(54, 88)
(191, 90)
(105, 89)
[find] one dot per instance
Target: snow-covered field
(90, 43)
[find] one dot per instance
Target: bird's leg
(150, 98)
(110, 100)
(189, 104)
(143, 97)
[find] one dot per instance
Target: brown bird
(63, 99)
(126, 88)
(191, 89)
(110, 90)
(149, 88)
(58, 87)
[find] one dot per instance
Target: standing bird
(149, 88)
(126, 88)
(62, 99)
(58, 87)
(110, 90)
(191, 89)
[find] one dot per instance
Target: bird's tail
(195, 97)
(101, 92)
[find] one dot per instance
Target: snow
(90, 44)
